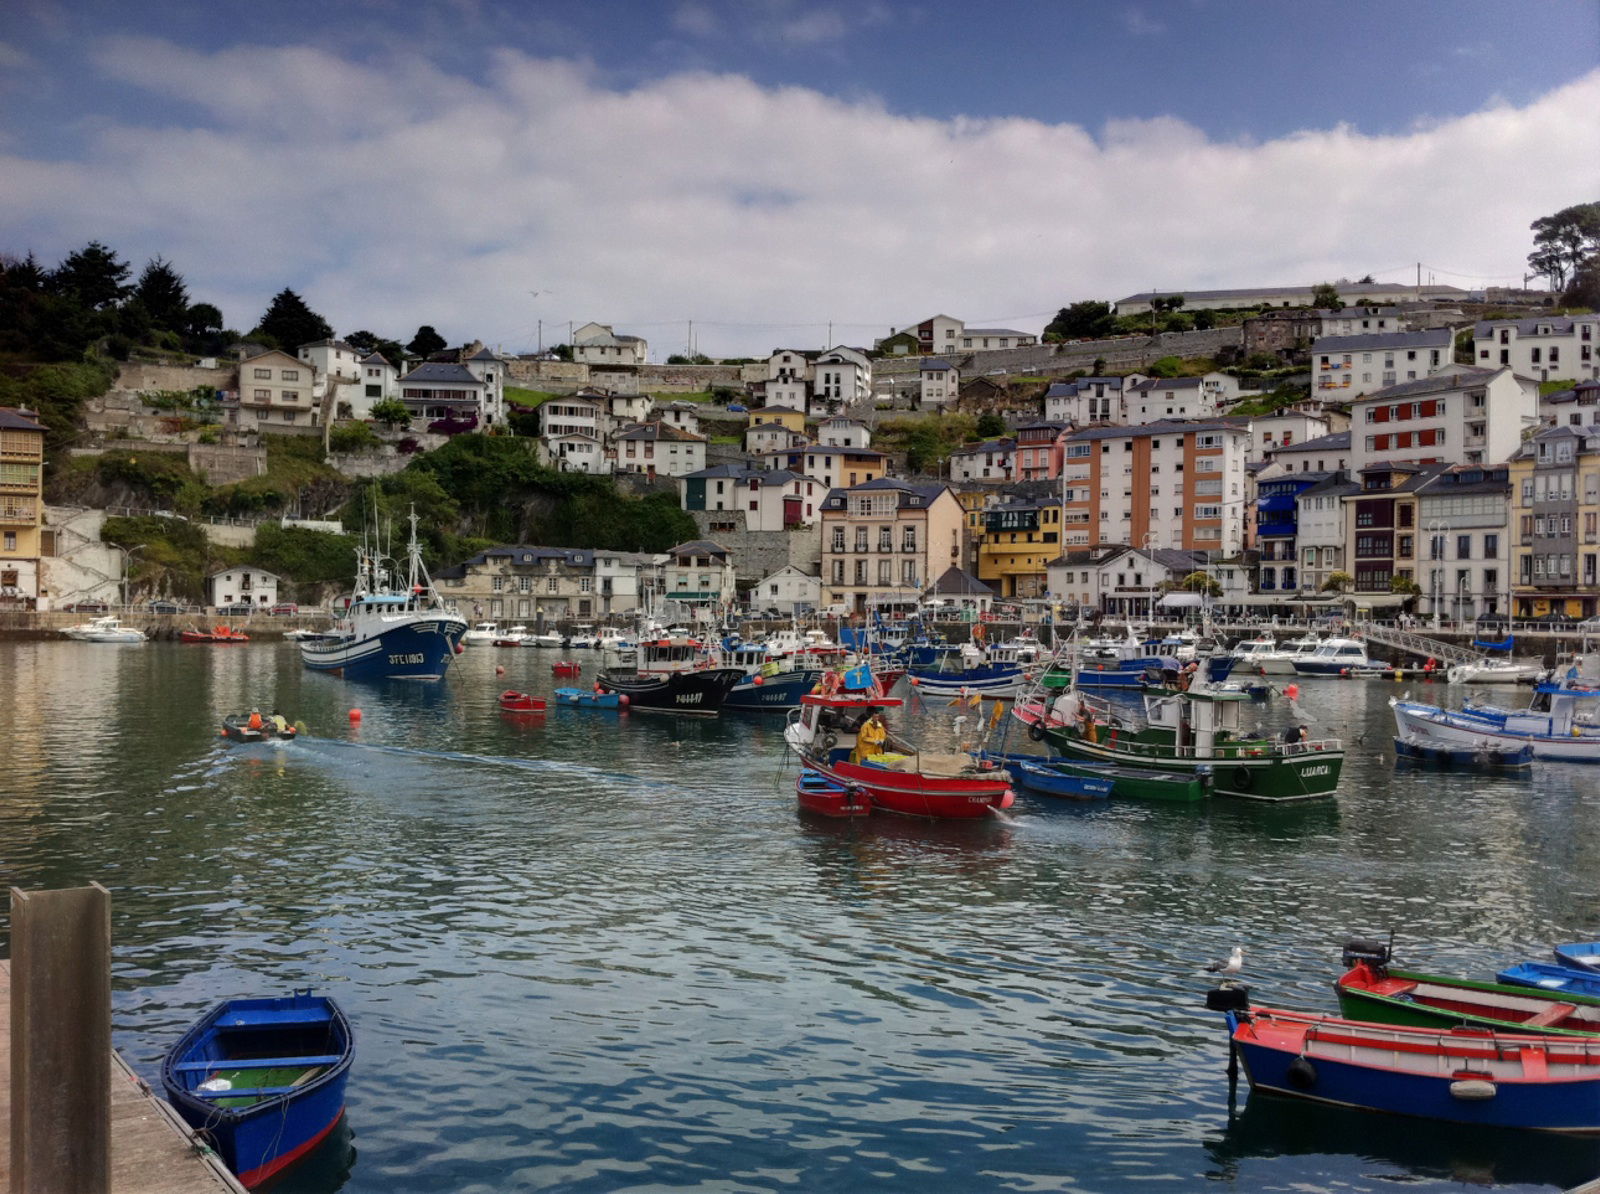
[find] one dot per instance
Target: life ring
(1036, 732)
(1242, 778)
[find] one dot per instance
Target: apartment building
(1345, 367)
(1278, 529)
(1088, 400)
(1182, 483)
(659, 448)
(1381, 529)
(756, 499)
(1015, 543)
(887, 540)
(1037, 456)
(21, 507)
(990, 460)
(836, 468)
(1320, 531)
(940, 384)
(275, 392)
(1555, 482)
(1463, 415)
(1546, 348)
(700, 576)
(1463, 514)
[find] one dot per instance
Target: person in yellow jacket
(871, 737)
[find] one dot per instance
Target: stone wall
(761, 553)
(382, 463)
(1124, 352)
(566, 377)
(143, 376)
(223, 464)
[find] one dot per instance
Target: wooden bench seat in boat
(948, 765)
(1553, 1014)
(255, 1063)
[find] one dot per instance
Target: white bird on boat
(1233, 965)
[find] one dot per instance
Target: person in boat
(280, 724)
(1296, 736)
(871, 737)
(255, 722)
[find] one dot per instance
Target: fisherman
(870, 738)
(279, 724)
(255, 722)
(1296, 736)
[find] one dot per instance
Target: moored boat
(996, 672)
(481, 635)
(262, 1080)
(108, 629)
(1195, 732)
(1041, 777)
(1485, 756)
(583, 698)
(217, 634)
(512, 701)
(1339, 657)
(1580, 955)
(1554, 723)
(1485, 1078)
(566, 667)
(1373, 990)
(699, 692)
(1141, 783)
(896, 775)
(1548, 976)
(816, 793)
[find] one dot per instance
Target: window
(11, 541)
(1463, 547)
(1491, 546)
(838, 543)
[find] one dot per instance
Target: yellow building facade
(21, 506)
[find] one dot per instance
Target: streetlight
(127, 561)
(1436, 528)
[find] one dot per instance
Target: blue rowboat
(1549, 977)
(1491, 756)
(262, 1079)
(583, 698)
(1038, 775)
(1447, 1073)
(1580, 955)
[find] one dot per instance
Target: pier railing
(1418, 644)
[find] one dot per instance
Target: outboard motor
(1362, 949)
(1229, 997)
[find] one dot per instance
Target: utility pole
(541, 337)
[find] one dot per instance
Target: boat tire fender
(1242, 779)
(1036, 732)
(1473, 1090)
(1302, 1074)
(829, 741)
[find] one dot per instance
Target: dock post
(61, 1041)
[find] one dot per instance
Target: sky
(746, 175)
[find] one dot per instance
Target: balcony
(14, 512)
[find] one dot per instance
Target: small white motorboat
(108, 629)
(481, 635)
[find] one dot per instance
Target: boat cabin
(1339, 652)
(671, 655)
(827, 724)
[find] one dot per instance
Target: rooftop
(1431, 338)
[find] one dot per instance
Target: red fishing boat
(897, 776)
(816, 793)
(566, 667)
(513, 701)
(217, 634)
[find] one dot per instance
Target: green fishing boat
(1196, 732)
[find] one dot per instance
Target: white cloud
(396, 195)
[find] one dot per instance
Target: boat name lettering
(690, 698)
(1308, 772)
(401, 660)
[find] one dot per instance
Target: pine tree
(94, 276)
(426, 342)
(165, 297)
(289, 323)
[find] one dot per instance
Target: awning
(1377, 600)
(1181, 600)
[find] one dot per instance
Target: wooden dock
(152, 1150)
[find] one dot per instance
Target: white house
(789, 392)
(658, 448)
(598, 344)
(1157, 398)
(765, 499)
(1362, 321)
(573, 415)
(333, 360)
(685, 416)
(842, 432)
(1547, 348)
(789, 364)
(575, 452)
(941, 382)
(1463, 415)
(700, 576)
(276, 389)
(622, 410)
(992, 460)
(1320, 530)
(491, 371)
(764, 437)
(434, 390)
(841, 376)
(1282, 429)
(1324, 454)
(379, 383)
(943, 333)
(1089, 399)
(242, 585)
(789, 590)
(1346, 367)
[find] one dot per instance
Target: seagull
(1233, 965)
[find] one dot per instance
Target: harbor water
(602, 952)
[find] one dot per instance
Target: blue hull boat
(1038, 776)
(1547, 976)
(1580, 955)
(778, 693)
(1488, 757)
(419, 648)
(262, 1079)
(583, 698)
(1485, 1078)
(1148, 671)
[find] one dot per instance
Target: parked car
(283, 607)
(737, 408)
(165, 607)
(87, 607)
(237, 608)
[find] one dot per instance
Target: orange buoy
(355, 716)
(1292, 692)
(758, 680)
(499, 671)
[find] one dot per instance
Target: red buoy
(622, 699)
(355, 716)
(499, 671)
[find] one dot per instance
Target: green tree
(1195, 582)
(1564, 241)
(1087, 320)
(390, 350)
(1584, 290)
(426, 342)
(163, 294)
(1325, 297)
(94, 276)
(289, 323)
(391, 412)
(990, 426)
(1204, 320)
(1337, 582)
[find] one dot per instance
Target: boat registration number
(401, 660)
(690, 698)
(1308, 772)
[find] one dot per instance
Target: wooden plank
(152, 1150)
